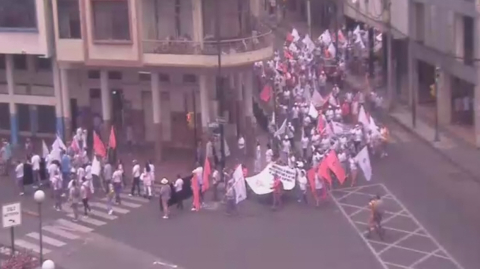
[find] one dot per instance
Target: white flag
(96, 167)
(373, 127)
(325, 37)
(362, 118)
(317, 99)
(295, 35)
(45, 150)
(58, 144)
(239, 185)
(309, 43)
(282, 129)
(332, 50)
(363, 161)
(357, 30)
(312, 112)
(339, 128)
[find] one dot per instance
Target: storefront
(463, 94)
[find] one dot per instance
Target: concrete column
(204, 101)
(240, 97)
(33, 119)
(58, 98)
(157, 122)
(198, 22)
(250, 124)
(67, 117)
(309, 17)
(477, 85)
(444, 98)
(106, 103)
(32, 109)
(9, 69)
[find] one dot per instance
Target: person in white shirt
(258, 159)
(178, 186)
(57, 186)
(329, 114)
(286, 145)
(117, 178)
(198, 172)
(302, 184)
(19, 177)
(305, 143)
(89, 177)
(147, 180)
(136, 178)
(353, 166)
(36, 169)
(241, 148)
(338, 114)
(268, 154)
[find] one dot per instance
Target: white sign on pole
(11, 215)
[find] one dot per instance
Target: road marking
(74, 226)
(124, 196)
(60, 232)
(114, 208)
(414, 232)
(127, 204)
(46, 239)
(95, 213)
(30, 246)
(365, 208)
(88, 220)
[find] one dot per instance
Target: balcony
(183, 53)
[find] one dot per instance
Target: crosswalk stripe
(46, 239)
(124, 196)
(74, 226)
(115, 208)
(60, 232)
(88, 220)
(95, 213)
(132, 205)
(30, 246)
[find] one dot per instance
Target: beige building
(142, 64)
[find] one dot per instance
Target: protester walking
(178, 186)
(74, 196)
(57, 186)
(19, 177)
(85, 190)
(136, 179)
(231, 207)
(117, 184)
(110, 198)
(165, 195)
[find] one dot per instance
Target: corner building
(141, 64)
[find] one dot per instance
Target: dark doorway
(74, 113)
(118, 106)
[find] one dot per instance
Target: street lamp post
(39, 197)
(436, 90)
(219, 88)
(48, 264)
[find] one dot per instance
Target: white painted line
(392, 229)
(131, 205)
(95, 213)
(133, 198)
(424, 258)
(51, 241)
(30, 246)
(394, 244)
(366, 208)
(60, 232)
(356, 187)
(366, 194)
(350, 193)
(455, 262)
(74, 226)
(115, 208)
(359, 233)
(88, 220)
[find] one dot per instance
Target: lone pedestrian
(85, 191)
(74, 198)
(165, 194)
(136, 179)
(178, 186)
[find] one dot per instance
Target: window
(20, 61)
(468, 40)
(18, 14)
(95, 93)
(93, 74)
(43, 64)
(115, 75)
(144, 76)
(178, 20)
(2, 61)
(419, 9)
(111, 20)
(189, 78)
(164, 77)
(69, 19)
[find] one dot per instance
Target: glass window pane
(18, 14)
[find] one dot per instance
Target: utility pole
(219, 88)
(411, 84)
(388, 18)
(309, 17)
(436, 90)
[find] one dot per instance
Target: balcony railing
(210, 47)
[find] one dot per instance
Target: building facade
(433, 34)
(138, 65)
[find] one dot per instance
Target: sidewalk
(462, 155)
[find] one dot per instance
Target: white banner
(363, 161)
(282, 129)
(239, 185)
(287, 175)
(96, 167)
(295, 35)
(45, 151)
(312, 112)
(262, 182)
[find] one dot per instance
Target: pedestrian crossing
(64, 230)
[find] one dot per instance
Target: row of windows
(20, 62)
(117, 75)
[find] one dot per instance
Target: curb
(452, 161)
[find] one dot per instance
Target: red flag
(324, 172)
(74, 145)
(287, 55)
(266, 93)
(98, 146)
(335, 166)
(196, 193)
(112, 140)
(311, 181)
(206, 175)
(320, 124)
(289, 37)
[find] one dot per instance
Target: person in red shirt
(277, 192)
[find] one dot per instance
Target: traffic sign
(11, 215)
